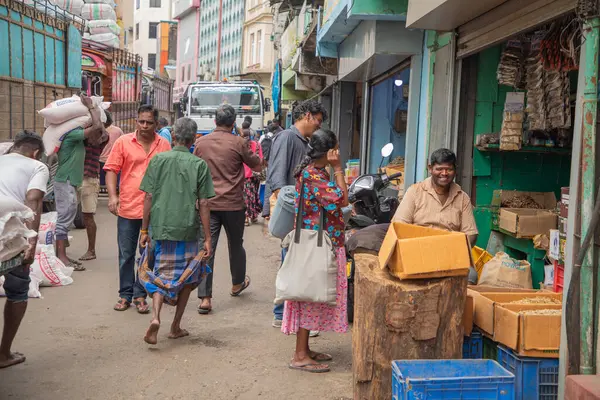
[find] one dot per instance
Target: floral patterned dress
(318, 191)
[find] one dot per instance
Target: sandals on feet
(142, 306)
(204, 310)
(320, 357)
(76, 266)
(122, 305)
(244, 287)
(314, 368)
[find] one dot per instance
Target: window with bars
(152, 30)
(155, 3)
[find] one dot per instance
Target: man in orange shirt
(130, 156)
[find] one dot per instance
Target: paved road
(77, 347)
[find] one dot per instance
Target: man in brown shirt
(439, 202)
(226, 155)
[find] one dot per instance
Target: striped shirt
(91, 167)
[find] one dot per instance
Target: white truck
(201, 100)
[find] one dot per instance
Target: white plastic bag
(109, 39)
(34, 288)
(72, 6)
(49, 269)
(104, 26)
(63, 110)
(47, 228)
(13, 232)
(4, 147)
(100, 11)
(54, 135)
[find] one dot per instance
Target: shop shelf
(473, 346)
(535, 378)
(528, 149)
(451, 379)
(559, 276)
(490, 349)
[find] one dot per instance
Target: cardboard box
(546, 199)
(528, 335)
(485, 305)
(526, 223)
(416, 252)
(468, 315)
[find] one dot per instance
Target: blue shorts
(16, 284)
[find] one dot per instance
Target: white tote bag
(309, 270)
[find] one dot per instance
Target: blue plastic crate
(473, 346)
(535, 378)
(451, 379)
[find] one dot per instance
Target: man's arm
(34, 200)
(204, 211)
(144, 238)
(467, 223)
(205, 191)
(94, 132)
(278, 163)
(113, 167)
(250, 159)
(406, 210)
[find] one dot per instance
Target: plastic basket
(490, 349)
(480, 258)
(535, 378)
(451, 379)
(559, 276)
(473, 346)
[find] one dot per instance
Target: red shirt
(129, 157)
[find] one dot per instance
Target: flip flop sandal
(121, 305)
(244, 287)
(75, 261)
(142, 306)
(203, 310)
(75, 266)
(321, 357)
(88, 258)
(313, 368)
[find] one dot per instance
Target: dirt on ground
(77, 347)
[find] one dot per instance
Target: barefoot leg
(13, 315)
(90, 226)
(176, 331)
(152, 332)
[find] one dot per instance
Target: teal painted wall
(535, 172)
(37, 51)
(377, 8)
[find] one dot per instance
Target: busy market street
(77, 347)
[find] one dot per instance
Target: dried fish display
(510, 69)
(556, 93)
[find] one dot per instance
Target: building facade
(147, 15)
(124, 11)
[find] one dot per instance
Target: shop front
(525, 130)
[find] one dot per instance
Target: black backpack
(266, 147)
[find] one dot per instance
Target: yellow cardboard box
(416, 252)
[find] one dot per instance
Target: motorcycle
(370, 206)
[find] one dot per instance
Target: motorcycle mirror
(387, 150)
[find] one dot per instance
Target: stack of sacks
(72, 6)
(102, 23)
(62, 116)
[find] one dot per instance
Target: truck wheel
(79, 224)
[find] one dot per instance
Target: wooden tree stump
(401, 320)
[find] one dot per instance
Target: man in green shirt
(69, 175)
(175, 182)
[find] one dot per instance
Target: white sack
(72, 6)
(47, 228)
(94, 12)
(34, 287)
(63, 110)
(103, 26)
(49, 269)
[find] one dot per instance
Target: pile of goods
(521, 200)
(541, 312)
(510, 69)
(511, 134)
(102, 22)
(64, 115)
(47, 269)
(536, 300)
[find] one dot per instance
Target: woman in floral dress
(315, 188)
(252, 183)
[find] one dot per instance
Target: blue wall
(387, 98)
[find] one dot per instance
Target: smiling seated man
(439, 202)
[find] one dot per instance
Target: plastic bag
(99, 11)
(72, 6)
(47, 228)
(103, 26)
(49, 269)
(34, 288)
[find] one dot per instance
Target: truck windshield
(206, 99)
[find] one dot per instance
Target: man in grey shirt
(287, 151)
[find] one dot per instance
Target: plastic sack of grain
(63, 110)
(108, 39)
(99, 11)
(103, 26)
(72, 6)
(109, 2)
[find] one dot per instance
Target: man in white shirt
(24, 178)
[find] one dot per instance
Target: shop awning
(445, 15)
